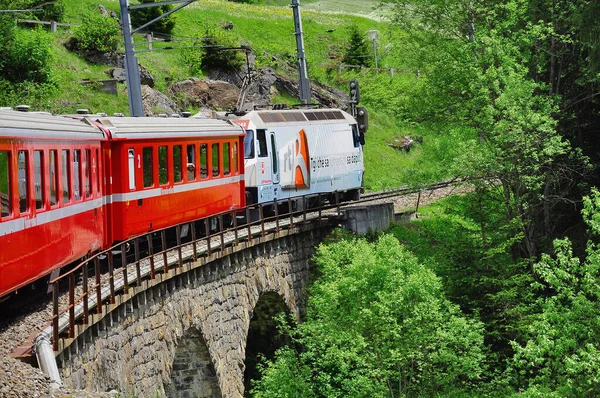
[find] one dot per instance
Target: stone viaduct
(187, 336)
(186, 333)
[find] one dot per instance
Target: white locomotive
(294, 152)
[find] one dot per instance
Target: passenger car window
(177, 164)
(191, 162)
(131, 168)
(87, 173)
(203, 161)
(163, 165)
(53, 166)
(23, 173)
(77, 172)
(235, 155)
(226, 159)
(215, 159)
(38, 179)
(66, 176)
(5, 196)
(148, 167)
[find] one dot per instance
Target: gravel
(20, 379)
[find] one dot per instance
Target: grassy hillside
(269, 31)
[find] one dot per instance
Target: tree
(562, 354)
(357, 51)
(377, 324)
(140, 16)
(481, 73)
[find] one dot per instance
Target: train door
(264, 168)
(274, 164)
(104, 187)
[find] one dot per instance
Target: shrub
(97, 34)
(217, 51)
(28, 57)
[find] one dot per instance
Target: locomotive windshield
(249, 144)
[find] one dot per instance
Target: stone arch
(193, 373)
(263, 337)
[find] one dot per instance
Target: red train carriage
(51, 195)
(166, 171)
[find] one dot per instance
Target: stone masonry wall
(133, 349)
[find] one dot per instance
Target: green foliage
(217, 50)
(377, 325)
(357, 51)
(29, 57)
(52, 11)
(562, 354)
(482, 79)
(40, 10)
(98, 33)
(463, 239)
(140, 16)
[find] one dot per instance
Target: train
(73, 185)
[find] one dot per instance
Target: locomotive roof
(44, 125)
(157, 127)
(264, 118)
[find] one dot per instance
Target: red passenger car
(51, 195)
(167, 171)
(72, 186)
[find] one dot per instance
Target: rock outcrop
(212, 94)
(155, 102)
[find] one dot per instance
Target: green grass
(269, 29)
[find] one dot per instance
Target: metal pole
(132, 72)
(375, 52)
(373, 36)
(304, 82)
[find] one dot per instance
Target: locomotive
(73, 185)
(294, 152)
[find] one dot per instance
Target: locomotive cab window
(226, 159)
(355, 135)
(163, 165)
(5, 195)
(148, 167)
(131, 168)
(38, 179)
(262, 143)
(274, 150)
(23, 174)
(249, 144)
(66, 176)
(53, 166)
(215, 160)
